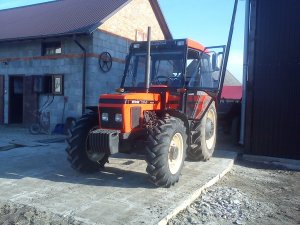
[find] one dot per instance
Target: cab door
(202, 83)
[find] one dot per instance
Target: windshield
(166, 69)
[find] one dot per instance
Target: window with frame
(51, 48)
(199, 73)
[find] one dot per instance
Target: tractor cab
(181, 63)
(183, 69)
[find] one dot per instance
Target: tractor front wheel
(204, 136)
(79, 154)
(166, 150)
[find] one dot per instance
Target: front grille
(111, 123)
(104, 141)
(135, 116)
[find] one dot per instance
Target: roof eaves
(94, 27)
(161, 19)
(113, 13)
(44, 36)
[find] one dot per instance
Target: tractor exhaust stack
(147, 82)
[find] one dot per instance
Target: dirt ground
(252, 193)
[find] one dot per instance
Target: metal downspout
(83, 74)
(245, 74)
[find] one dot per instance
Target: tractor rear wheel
(204, 136)
(166, 150)
(79, 154)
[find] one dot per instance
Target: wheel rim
(93, 156)
(35, 129)
(210, 134)
(175, 155)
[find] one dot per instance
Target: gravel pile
(18, 214)
(221, 205)
(251, 193)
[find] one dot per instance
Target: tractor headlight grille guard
(111, 118)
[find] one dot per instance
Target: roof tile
(56, 18)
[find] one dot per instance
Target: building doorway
(16, 99)
(22, 100)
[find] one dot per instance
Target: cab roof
(171, 43)
(195, 45)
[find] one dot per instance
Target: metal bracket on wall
(105, 62)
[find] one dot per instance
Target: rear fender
(181, 116)
(92, 108)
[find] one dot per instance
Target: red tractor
(167, 100)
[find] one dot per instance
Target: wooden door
(30, 101)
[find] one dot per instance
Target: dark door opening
(30, 101)
(1, 99)
(16, 99)
(23, 101)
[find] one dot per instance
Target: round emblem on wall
(105, 61)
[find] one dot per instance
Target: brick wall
(24, 58)
(97, 81)
(137, 15)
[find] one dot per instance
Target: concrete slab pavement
(41, 177)
(15, 136)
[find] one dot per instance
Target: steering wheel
(157, 80)
(167, 80)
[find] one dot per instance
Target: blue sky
(5, 4)
(206, 21)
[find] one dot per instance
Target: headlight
(104, 117)
(118, 117)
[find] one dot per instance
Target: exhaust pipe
(147, 81)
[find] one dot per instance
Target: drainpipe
(245, 74)
(83, 74)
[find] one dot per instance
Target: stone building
(52, 53)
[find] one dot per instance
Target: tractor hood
(130, 98)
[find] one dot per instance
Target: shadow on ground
(51, 164)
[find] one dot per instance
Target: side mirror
(214, 62)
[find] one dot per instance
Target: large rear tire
(79, 154)
(204, 137)
(166, 150)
